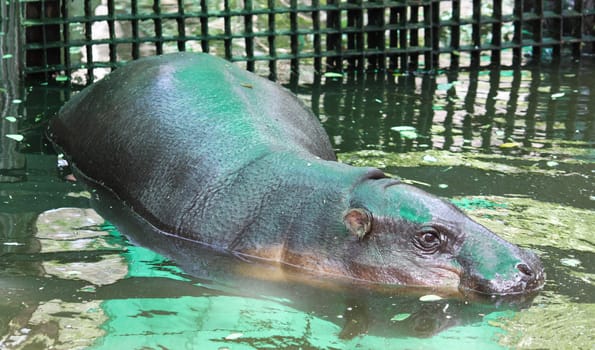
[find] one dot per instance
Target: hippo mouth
(524, 282)
(501, 286)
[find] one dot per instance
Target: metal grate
(71, 37)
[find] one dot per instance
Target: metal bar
(393, 37)
(455, 35)
(517, 38)
(538, 30)
(414, 38)
(403, 43)
(497, 33)
(355, 39)
(333, 40)
(428, 35)
(113, 57)
(181, 26)
(271, 41)
(134, 24)
(476, 33)
(376, 38)
(44, 32)
(294, 40)
(204, 26)
(88, 39)
(317, 37)
(66, 39)
(435, 28)
(227, 29)
(576, 48)
(158, 27)
(558, 25)
(248, 29)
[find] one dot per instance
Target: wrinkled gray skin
(208, 152)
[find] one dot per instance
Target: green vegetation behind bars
(69, 36)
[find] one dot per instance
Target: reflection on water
(512, 148)
(495, 111)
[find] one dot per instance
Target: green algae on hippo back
(207, 152)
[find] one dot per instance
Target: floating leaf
(400, 317)
(429, 158)
(543, 89)
(234, 336)
(411, 135)
(570, 262)
(557, 95)
(405, 131)
(552, 163)
(333, 75)
(444, 87)
(11, 119)
(8, 55)
(402, 128)
(430, 297)
(17, 101)
(82, 194)
(61, 78)
(87, 289)
(509, 145)
(247, 85)
(443, 186)
(15, 137)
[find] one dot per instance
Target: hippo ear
(358, 221)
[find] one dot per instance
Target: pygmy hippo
(208, 152)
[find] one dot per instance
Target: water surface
(512, 148)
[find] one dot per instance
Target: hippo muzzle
(495, 266)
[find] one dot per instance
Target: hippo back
(172, 124)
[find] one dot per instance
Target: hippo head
(404, 235)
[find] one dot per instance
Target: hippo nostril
(525, 269)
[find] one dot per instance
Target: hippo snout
(520, 276)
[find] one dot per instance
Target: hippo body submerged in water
(208, 152)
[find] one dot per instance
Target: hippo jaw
(409, 237)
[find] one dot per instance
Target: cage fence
(83, 39)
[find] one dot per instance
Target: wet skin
(208, 152)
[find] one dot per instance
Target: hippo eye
(428, 240)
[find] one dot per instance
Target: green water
(512, 148)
